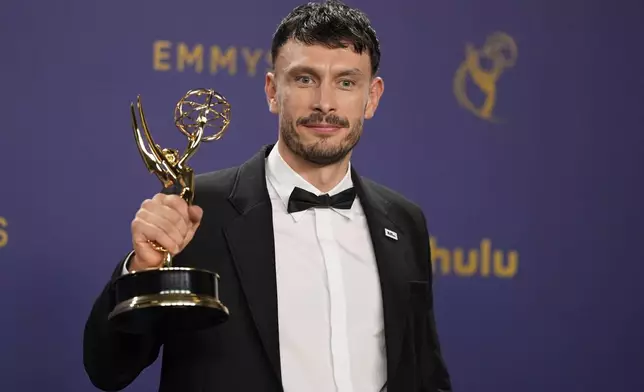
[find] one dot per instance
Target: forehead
(296, 54)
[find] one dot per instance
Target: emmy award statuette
(173, 298)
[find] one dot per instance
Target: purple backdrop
(527, 160)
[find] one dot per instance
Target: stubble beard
(320, 153)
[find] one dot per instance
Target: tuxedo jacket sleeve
(113, 359)
(424, 327)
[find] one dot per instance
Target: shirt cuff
(126, 264)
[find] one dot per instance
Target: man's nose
(325, 99)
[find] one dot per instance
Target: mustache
(319, 118)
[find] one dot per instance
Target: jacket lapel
(391, 248)
(250, 240)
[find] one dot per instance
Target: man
(321, 299)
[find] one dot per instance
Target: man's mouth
(323, 127)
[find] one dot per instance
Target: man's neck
(323, 178)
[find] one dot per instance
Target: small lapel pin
(391, 234)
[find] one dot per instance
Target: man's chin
(323, 155)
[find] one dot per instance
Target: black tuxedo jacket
(235, 239)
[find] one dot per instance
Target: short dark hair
(332, 24)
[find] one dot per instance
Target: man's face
(322, 97)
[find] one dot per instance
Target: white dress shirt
(331, 329)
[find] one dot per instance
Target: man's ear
(376, 89)
(270, 88)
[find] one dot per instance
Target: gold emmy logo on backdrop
(501, 52)
(174, 298)
(4, 236)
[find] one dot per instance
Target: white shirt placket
(337, 300)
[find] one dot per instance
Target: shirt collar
(284, 179)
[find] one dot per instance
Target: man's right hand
(170, 222)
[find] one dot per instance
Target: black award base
(167, 300)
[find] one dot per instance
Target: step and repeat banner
(517, 126)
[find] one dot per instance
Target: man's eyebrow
(351, 72)
(308, 69)
(301, 69)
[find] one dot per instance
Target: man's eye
(303, 79)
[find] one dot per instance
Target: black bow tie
(301, 200)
